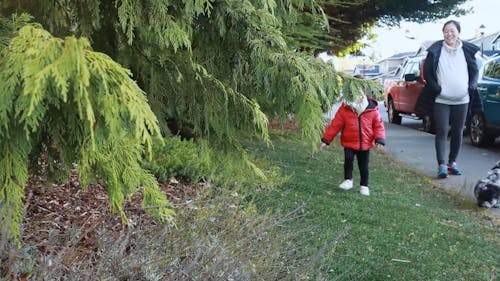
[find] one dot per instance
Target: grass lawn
(406, 230)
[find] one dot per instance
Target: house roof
(490, 39)
(427, 43)
(496, 38)
(398, 56)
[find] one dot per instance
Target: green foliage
(306, 25)
(194, 161)
(181, 159)
(217, 67)
(351, 88)
(236, 53)
(13, 177)
(116, 162)
(241, 171)
(257, 62)
(61, 94)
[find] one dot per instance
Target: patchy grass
(406, 230)
(307, 229)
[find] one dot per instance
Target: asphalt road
(408, 143)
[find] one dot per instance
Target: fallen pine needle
(398, 260)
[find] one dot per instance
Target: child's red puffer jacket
(357, 132)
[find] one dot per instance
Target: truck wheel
(393, 114)
(428, 125)
(478, 135)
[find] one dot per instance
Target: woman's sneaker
(346, 185)
(364, 190)
(453, 169)
(442, 171)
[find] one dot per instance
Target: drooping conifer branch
(86, 105)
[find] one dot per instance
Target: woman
(450, 72)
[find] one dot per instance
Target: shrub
(180, 158)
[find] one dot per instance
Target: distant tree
(349, 21)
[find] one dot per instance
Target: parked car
(485, 125)
(402, 91)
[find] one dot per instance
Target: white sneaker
(364, 190)
(346, 185)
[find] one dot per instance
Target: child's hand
(322, 145)
(379, 147)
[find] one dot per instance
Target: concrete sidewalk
(416, 149)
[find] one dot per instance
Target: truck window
(413, 68)
(400, 68)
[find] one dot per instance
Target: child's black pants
(363, 157)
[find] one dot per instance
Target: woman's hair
(454, 22)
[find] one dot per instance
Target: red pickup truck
(402, 91)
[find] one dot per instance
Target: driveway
(415, 148)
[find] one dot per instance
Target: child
(361, 128)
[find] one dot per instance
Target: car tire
(392, 114)
(478, 135)
(428, 125)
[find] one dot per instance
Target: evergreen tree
(207, 69)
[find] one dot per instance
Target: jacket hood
(359, 104)
(371, 105)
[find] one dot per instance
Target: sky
(393, 40)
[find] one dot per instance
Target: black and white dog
(487, 190)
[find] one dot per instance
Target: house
(496, 43)
(391, 63)
(422, 50)
(490, 42)
(367, 70)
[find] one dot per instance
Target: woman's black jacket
(425, 103)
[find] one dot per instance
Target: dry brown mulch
(289, 124)
(64, 220)
(54, 213)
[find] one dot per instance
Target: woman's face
(450, 34)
